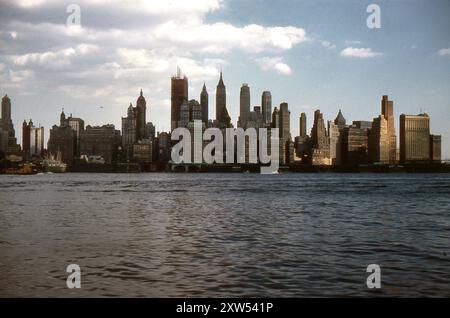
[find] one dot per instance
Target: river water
(224, 235)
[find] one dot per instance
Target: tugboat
(54, 165)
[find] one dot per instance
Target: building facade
(414, 138)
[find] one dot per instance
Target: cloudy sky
(309, 53)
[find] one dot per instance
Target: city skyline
(306, 61)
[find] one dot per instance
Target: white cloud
(444, 52)
(359, 53)
(274, 64)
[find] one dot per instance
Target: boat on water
(54, 164)
(24, 170)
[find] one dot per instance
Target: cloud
(274, 64)
(328, 45)
(359, 53)
(444, 52)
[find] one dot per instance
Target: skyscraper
(340, 121)
(379, 141)
(8, 142)
(129, 131)
(414, 138)
(302, 125)
(179, 94)
(319, 140)
(222, 116)
(266, 106)
(204, 103)
(141, 109)
(387, 110)
(32, 139)
(244, 105)
(335, 143)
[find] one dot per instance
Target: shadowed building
(266, 107)
(179, 94)
(320, 143)
(8, 142)
(129, 131)
(244, 105)
(61, 143)
(204, 103)
(355, 144)
(302, 125)
(222, 116)
(141, 109)
(435, 148)
(414, 138)
(335, 143)
(379, 141)
(387, 110)
(102, 141)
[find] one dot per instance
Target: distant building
(129, 131)
(435, 148)
(32, 140)
(61, 143)
(244, 105)
(286, 144)
(222, 116)
(340, 121)
(414, 138)
(387, 110)
(335, 143)
(143, 151)
(355, 144)
(141, 110)
(179, 95)
(8, 141)
(302, 125)
(163, 148)
(266, 107)
(379, 145)
(320, 143)
(204, 103)
(101, 141)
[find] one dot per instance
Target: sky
(313, 54)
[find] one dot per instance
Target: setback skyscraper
(244, 105)
(204, 103)
(266, 106)
(222, 116)
(179, 94)
(387, 110)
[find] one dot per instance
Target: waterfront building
(379, 145)
(102, 141)
(320, 143)
(8, 142)
(61, 143)
(355, 144)
(143, 151)
(335, 143)
(435, 148)
(414, 138)
(32, 140)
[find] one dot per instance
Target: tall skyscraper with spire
(222, 116)
(179, 95)
(141, 109)
(204, 103)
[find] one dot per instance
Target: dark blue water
(205, 235)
